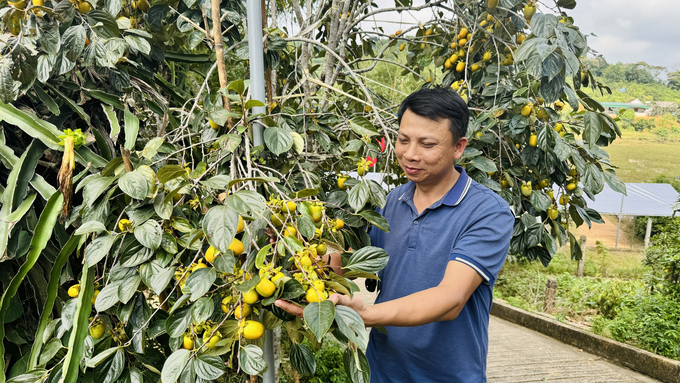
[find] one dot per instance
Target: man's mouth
(410, 170)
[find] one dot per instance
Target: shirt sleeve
(484, 245)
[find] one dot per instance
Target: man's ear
(459, 147)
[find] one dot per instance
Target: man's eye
(428, 145)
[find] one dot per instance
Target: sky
(627, 31)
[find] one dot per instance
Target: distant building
(615, 107)
(660, 108)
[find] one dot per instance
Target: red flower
(371, 161)
(382, 145)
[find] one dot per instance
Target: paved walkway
(517, 354)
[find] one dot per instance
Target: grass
(641, 159)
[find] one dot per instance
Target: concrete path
(517, 354)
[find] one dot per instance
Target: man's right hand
(290, 308)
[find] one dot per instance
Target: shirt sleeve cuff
(481, 270)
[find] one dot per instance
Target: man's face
(425, 149)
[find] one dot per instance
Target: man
(448, 240)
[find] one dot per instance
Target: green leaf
(90, 227)
(540, 200)
(306, 226)
(70, 103)
(209, 367)
(138, 43)
(202, 310)
(615, 183)
(292, 289)
(170, 172)
(319, 317)
(593, 128)
(174, 365)
(261, 255)
(356, 366)
(162, 207)
(351, 326)
(247, 202)
(567, 4)
(8, 86)
(73, 42)
(131, 129)
(298, 142)
(302, 359)
(95, 361)
(113, 120)
(219, 225)
(111, 369)
(178, 322)
(484, 164)
(42, 233)
(151, 147)
(225, 263)
(134, 184)
(251, 360)
(278, 140)
(363, 127)
(107, 297)
(22, 209)
(149, 234)
(10, 160)
(70, 368)
(32, 376)
(98, 249)
(358, 196)
(199, 282)
(369, 259)
(156, 276)
(51, 349)
(52, 289)
(237, 86)
(253, 104)
(543, 25)
(375, 219)
(31, 125)
(128, 287)
(220, 182)
(46, 99)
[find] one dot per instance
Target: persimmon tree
(145, 236)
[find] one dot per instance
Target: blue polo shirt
(470, 224)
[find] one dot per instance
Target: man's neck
(431, 193)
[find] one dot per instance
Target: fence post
(582, 261)
(648, 232)
(550, 292)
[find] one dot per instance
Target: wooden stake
(219, 52)
(582, 261)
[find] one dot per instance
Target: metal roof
(623, 105)
(655, 200)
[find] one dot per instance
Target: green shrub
(651, 322)
(659, 224)
(642, 124)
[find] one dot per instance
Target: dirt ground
(606, 233)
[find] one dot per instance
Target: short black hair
(437, 104)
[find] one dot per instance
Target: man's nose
(411, 153)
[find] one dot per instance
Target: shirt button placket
(415, 229)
